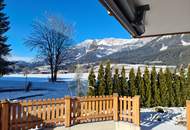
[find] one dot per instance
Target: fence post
(67, 111)
(5, 115)
(188, 114)
(136, 110)
(115, 106)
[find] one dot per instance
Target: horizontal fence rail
(23, 115)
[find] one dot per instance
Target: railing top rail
(40, 102)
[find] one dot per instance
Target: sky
(89, 17)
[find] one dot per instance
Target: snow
(13, 86)
(163, 48)
(164, 37)
(169, 120)
(99, 56)
(185, 43)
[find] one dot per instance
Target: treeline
(162, 88)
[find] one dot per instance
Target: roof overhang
(145, 18)
(129, 13)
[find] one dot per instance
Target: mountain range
(167, 50)
(164, 50)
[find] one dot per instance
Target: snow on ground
(163, 48)
(13, 86)
(185, 43)
(172, 119)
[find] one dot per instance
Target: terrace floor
(106, 125)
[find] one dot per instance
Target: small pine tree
(166, 89)
(142, 92)
(101, 82)
(177, 91)
(155, 91)
(123, 86)
(133, 89)
(162, 86)
(147, 85)
(108, 80)
(188, 83)
(138, 81)
(91, 83)
(170, 93)
(182, 86)
(116, 82)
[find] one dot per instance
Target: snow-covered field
(13, 86)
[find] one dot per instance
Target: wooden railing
(68, 111)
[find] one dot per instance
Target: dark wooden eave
(115, 11)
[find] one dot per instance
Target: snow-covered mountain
(171, 50)
(93, 50)
(168, 50)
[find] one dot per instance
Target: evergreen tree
(133, 89)
(116, 82)
(188, 84)
(108, 80)
(147, 85)
(138, 82)
(142, 92)
(101, 82)
(4, 48)
(176, 86)
(155, 91)
(163, 88)
(91, 83)
(182, 86)
(170, 93)
(140, 86)
(123, 86)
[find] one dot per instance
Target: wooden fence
(68, 111)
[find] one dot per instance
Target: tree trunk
(55, 75)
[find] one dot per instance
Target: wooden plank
(24, 115)
(93, 107)
(115, 106)
(125, 107)
(30, 115)
(34, 114)
(100, 106)
(39, 114)
(90, 107)
(121, 108)
(67, 111)
(97, 106)
(53, 109)
(129, 108)
(57, 110)
(5, 115)
(48, 110)
(188, 114)
(19, 115)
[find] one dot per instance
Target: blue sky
(89, 17)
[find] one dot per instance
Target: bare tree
(78, 79)
(51, 38)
